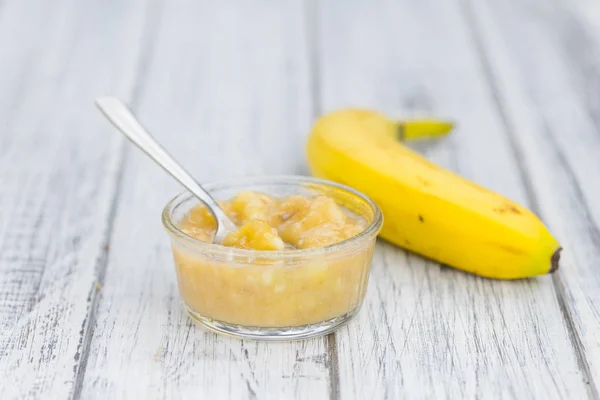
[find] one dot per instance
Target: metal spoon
(123, 119)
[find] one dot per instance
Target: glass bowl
(274, 295)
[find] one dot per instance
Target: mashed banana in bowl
(291, 264)
(267, 223)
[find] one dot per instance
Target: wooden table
(89, 306)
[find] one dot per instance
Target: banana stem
(417, 129)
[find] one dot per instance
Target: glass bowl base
(273, 334)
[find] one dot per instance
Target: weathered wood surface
(59, 166)
(88, 301)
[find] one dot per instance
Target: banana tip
(554, 260)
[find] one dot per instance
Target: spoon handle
(123, 119)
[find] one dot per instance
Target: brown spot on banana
(421, 219)
(507, 208)
(511, 208)
(423, 181)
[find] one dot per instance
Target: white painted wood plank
(426, 331)
(548, 86)
(58, 171)
(227, 92)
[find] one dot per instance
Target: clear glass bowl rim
(347, 245)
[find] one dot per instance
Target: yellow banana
(427, 209)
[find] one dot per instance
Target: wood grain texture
(226, 91)
(548, 87)
(428, 331)
(58, 171)
(89, 306)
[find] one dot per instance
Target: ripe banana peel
(427, 209)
